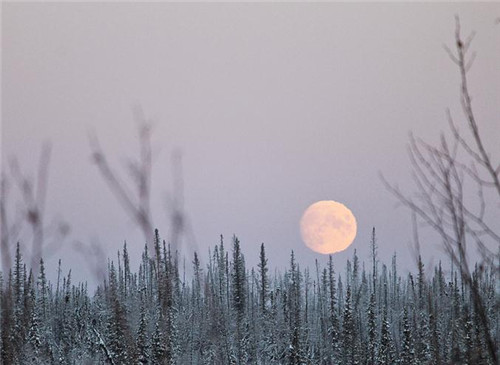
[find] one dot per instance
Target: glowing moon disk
(328, 227)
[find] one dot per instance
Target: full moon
(328, 227)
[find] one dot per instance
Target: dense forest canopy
(227, 313)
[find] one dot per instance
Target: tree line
(228, 313)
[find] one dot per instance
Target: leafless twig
(440, 176)
(33, 192)
(136, 202)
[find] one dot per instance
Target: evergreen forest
(228, 313)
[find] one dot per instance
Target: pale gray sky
(275, 106)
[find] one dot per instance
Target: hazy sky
(274, 106)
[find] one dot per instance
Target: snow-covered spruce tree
(386, 354)
(159, 349)
(9, 353)
(435, 335)
(407, 355)
(372, 347)
(422, 345)
(143, 346)
(323, 351)
(120, 341)
(333, 321)
(197, 335)
(266, 319)
(18, 329)
(264, 280)
(238, 282)
(33, 345)
(348, 331)
(296, 354)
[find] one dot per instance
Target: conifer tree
(32, 349)
(296, 355)
(348, 335)
(333, 323)
(118, 333)
(386, 353)
(264, 281)
(142, 343)
(159, 349)
(9, 352)
(239, 300)
(372, 331)
(407, 356)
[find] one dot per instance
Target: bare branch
(467, 105)
(33, 193)
(450, 54)
(136, 204)
(439, 177)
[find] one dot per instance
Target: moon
(328, 227)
